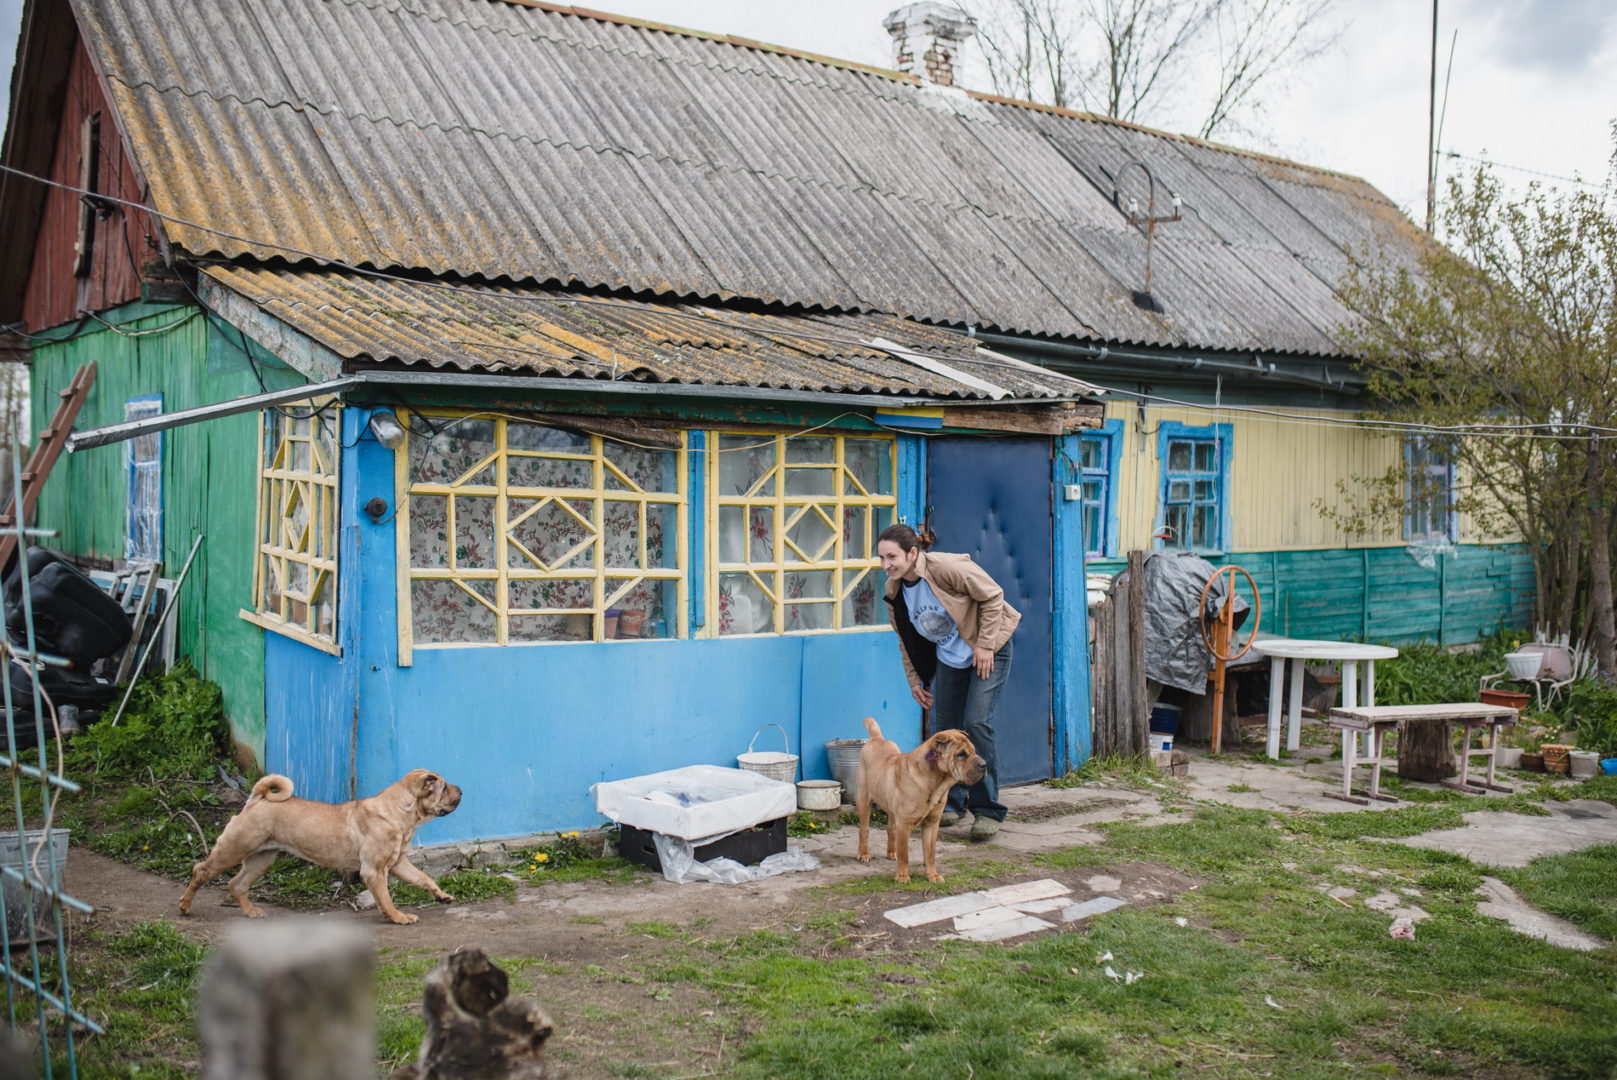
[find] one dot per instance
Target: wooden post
(1138, 718)
(1100, 675)
(1221, 649)
(289, 999)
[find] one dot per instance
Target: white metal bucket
(818, 794)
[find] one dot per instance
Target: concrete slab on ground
(1503, 839)
(1501, 902)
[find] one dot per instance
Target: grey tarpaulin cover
(1175, 654)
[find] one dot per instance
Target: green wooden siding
(1383, 594)
(209, 477)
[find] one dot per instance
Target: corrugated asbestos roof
(481, 138)
(534, 331)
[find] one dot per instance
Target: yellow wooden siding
(1279, 469)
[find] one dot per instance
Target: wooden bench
(1375, 720)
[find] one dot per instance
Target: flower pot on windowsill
(631, 621)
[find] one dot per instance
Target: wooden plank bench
(1375, 720)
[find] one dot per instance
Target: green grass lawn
(1269, 976)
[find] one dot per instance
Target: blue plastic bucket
(1165, 718)
(1609, 766)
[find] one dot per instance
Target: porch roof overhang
(370, 321)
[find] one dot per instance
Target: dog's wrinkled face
(953, 753)
(435, 796)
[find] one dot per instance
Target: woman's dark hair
(908, 539)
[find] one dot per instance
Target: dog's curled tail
(872, 728)
(273, 788)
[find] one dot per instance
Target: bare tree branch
(1146, 60)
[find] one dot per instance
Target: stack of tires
(75, 620)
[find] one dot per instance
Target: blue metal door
(991, 499)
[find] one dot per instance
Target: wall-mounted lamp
(387, 429)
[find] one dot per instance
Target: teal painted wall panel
(209, 478)
(1384, 594)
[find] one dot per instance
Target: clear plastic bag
(680, 866)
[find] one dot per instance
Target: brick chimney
(927, 37)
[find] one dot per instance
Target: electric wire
(1523, 430)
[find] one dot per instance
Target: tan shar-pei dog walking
(912, 788)
(370, 835)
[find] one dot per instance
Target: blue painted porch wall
(526, 730)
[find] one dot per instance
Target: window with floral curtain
(295, 578)
(518, 533)
(794, 544)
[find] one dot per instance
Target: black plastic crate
(749, 846)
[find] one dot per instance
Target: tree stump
(474, 1031)
(1426, 751)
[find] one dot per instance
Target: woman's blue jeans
(961, 700)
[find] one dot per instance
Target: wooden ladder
(40, 462)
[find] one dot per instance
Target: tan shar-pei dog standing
(912, 788)
(370, 835)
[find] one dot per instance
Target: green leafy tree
(1503, 340)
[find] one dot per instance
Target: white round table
(1300, 651)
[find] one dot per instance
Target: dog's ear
(424, 782)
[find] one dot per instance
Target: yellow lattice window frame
(515, 532)
(792, 528)
(295, 569)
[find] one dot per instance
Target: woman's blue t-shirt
(933, 623)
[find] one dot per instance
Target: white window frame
(1429, 513)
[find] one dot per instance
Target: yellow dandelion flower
(541, 857)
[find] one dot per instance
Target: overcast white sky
(1534, 84)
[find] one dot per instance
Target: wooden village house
(590, 356)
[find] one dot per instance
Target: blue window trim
(132, 467)
(1451, 522)
(1111, 434)
(1224, 436)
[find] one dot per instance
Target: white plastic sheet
(679, 863)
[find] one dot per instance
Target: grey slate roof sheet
(533, 331)
(503, 141)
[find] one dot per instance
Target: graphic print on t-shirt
(933, 623)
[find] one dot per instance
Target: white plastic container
(1161, 741)
(1524, 665)
(695, 802)
(1585, 763)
